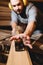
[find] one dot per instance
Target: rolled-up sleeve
(32, 14)
(13, 16)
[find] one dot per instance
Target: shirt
(30, 13)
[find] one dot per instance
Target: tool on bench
(19, 46)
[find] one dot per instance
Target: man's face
(17, 6)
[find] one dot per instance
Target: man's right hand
(25, 38)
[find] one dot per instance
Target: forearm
(30, 28)
(13, 25)
(14, 28)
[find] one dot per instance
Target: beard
(18, 11)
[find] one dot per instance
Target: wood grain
(18, 58)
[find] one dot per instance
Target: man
(24, 18)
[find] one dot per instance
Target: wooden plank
(4, 14)
(4, 23)
(4, 34)
(4, 8)
(5, 18)
(3, 3)
(5, 31)
(18, 58)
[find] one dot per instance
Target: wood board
(18, 58)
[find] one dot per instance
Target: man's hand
(26, 41)
(25, 38)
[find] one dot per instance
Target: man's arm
(13, 21)
(14, 27)
(30, 28)
(32, 13)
